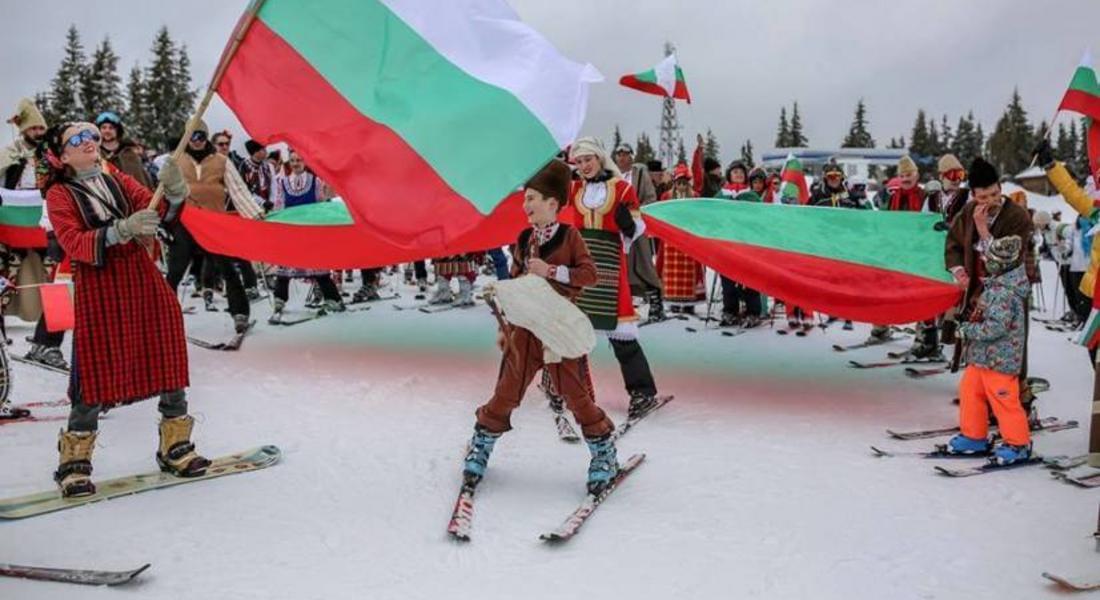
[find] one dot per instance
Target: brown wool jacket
(566, 249)
(960, 250)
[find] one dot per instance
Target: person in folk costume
(300, 188)
(662, 179)
(216, 186)
(22, 168)
(990, 215)
(604, 208)
(556, 251)
(641, 274)
(222, 142)
(949, 201)
(128, 343)
(832, 191)
(683, 276)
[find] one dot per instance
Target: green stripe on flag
(20, 216)
(1084, 80)
(321, 214)
(391, 75)
(904, 242)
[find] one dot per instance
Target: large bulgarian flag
(869, 266)
(666, 79)
(423, 115)
(792, 182)
(20, 214)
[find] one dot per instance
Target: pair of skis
(40, 365)
(1044, 425)
(460, 527)
(78, 576)
(231, 345)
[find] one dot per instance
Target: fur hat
(1003, 254)
(906, 165)
(27, 115)
(552, 181)
(252, 146)
(982, 174)
(655, 166)
(949, 162)
(590, 146)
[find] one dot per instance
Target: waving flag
(869, 266)
(424, 116)
(792, 183)
(1083, 96)
(666, 79)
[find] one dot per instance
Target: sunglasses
(222, 144)
(85, 135)
(954, 175)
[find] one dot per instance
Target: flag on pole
(666, 79)
(424, 116)
(792, 183)
(1083, 94)
(57, 306)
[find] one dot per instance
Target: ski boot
(960, 444)
(176, 454)
(640, 404)
(252, 294)
(208, 301)
(240, 324)
(332, 306)
(656, 306)
(52, 357)
(442, 294)
(1007, 454)
(604, 466)
(477, 454)
(927, 352)
(9, 412)
(315, 299)
(277, 316)
(807, 325)
(409, 277)
(366, 293)
(848, 326)
(729, 320)
(880, 334)
(465, 295)
(35, 353)
(750, 321)
(74, 470)
(422, 284)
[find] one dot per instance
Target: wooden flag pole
(193, 123)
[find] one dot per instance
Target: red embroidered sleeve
(84, 245)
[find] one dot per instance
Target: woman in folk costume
(683, 276)
(128, 343)
(604, 208)
(299, 188)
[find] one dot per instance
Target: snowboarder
(604, 209)
(137, 349)
(557, 252)
(993, 338)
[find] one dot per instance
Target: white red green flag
(666, 79)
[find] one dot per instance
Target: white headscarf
(590, 146)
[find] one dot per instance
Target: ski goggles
(84, 135)
(198, 136)
(954, 175)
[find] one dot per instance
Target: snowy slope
(758, 484)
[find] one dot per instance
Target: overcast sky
(742, 59)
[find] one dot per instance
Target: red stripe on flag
(840, 289)
(1094, 148)
(392, 192)
(14, 236)
(57, 306)
(634, 83)
(1081, 102)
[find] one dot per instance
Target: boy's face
(540, 210)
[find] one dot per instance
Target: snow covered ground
(758, 482)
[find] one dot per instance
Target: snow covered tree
(1012, 140)
(168, 94)
(65, 104)
(643, 149)
(100, 84)
(968, 141)
(797, 139)
(858, 135)
(746, 154)
(137, 109)
(783, 136)
(710, 145)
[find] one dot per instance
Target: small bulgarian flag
(57, 305)
(424, 116)
(666, 79)
(792, 183)
(824, 259)
(20, 213)
(1083, 96)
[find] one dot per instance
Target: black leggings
(328, 287)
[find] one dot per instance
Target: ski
(649, 322)
(577, 519)
(462, 516)
(1077, 586)
(940, 451)
(438, 308)
(33, 419)
(12, 413)
(1060, 464)
(989, 467)
(234, 343)
(393, 296)
(890, 363)
(298, 321)
(864, 344)
(78, 576)
(44, 404)
(1047, 424)
(922, 373)
(40, 365)
(42, 503)
(629, 424)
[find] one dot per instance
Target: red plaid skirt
(683, 276)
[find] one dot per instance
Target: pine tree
(187, 94)
(947, 137)
(137, 110)
(101, 86)
(1012, 140)
(65, 102)
(1082, 164)
(1072, 158)
(1062, 149)
(168, 94)
(967, 144)
(797, 139)
(934, 142)
(643, 149)
(783, 136)
(858, 136)
(616, 138)
(710, 145)
(42, 101)
(920, 140)
(746, 154)
(681, 152)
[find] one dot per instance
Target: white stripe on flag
(20, 197)
(666, 74)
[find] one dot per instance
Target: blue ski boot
(604, 465)
(477, 454)
(1006, 454)
(960, 444)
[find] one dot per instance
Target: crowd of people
(587, 238)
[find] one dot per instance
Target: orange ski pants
(982, 389)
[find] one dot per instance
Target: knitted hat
(906, 165)
(982, 174)
(1003, 254)
(949, 162)
(27, 115)
(552, 181)
(253, 146)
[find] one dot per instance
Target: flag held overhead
(666, 79)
